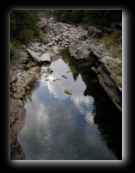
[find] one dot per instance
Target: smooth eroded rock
(45, 57)
(68, 91)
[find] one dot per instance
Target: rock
(29, 65)
(37, 46)
(94, 69)
(109, 59)
(94, 32)
(46, 79)
(13, 79)
(17, 96)
(34, 55)
(51, 43)
(68, 91)
(16, 108)
(106, 30)
(64, 76)
(28, 87)
(55, 49)
(45, 57)
(82, 53)
(25, 60)
(49, 70)
(17, 117)
(46, 76)
(83, 37)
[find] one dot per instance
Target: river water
(81, 126)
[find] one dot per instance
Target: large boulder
(94, 32)
(45, 57)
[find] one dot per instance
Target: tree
(23, 25)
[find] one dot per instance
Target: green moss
(116, 70)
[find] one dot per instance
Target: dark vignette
(5, 68)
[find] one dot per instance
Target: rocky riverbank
(85, 45)
(92, 45)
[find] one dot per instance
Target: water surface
(59, 126)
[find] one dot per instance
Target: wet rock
(68, 91)
(49, 70)
(64, 76)
(46, 76)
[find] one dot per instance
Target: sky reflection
(60, 126)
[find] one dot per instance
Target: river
(81, 126)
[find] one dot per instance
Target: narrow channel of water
(81, 126)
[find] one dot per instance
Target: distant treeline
(104, 18)
(24, 23)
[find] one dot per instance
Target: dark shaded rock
(106, 30)
(64, 76)
(94, 32)
(83, 38)
(25, 60)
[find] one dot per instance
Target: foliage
(89, 17)
(45, 13)
(23, 25)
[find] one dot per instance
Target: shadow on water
(107, 117)
(57, 127)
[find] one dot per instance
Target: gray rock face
(34, 55)
(94, 32)
(82, 53)
(39, 59)
(68, 91)
(106, 81)
(17, 117)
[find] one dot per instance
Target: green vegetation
(113, 42)
(89, 17)
(45, 13)
(23, 25)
